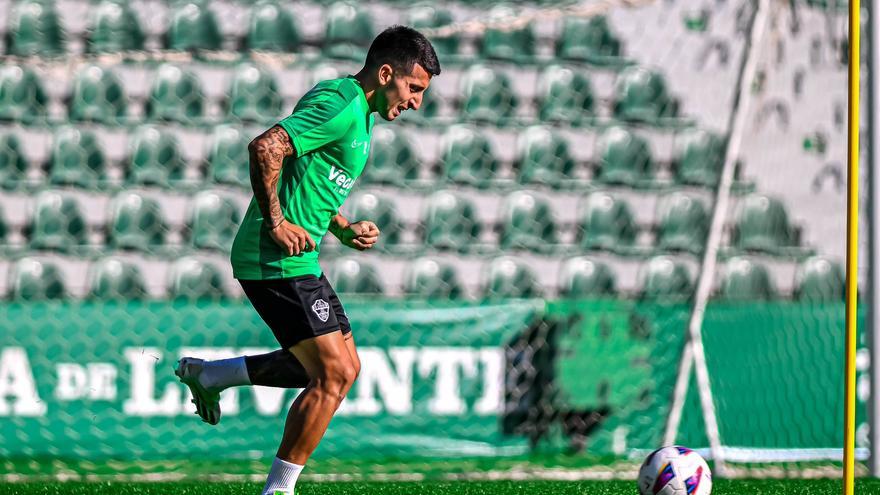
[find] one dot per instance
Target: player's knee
(336, 378)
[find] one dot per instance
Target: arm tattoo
(267, 153)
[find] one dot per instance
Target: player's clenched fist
(292, 238)
(360, 235)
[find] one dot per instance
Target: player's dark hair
(402, 47)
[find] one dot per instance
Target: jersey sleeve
(317, 121)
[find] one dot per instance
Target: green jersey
(330, 129)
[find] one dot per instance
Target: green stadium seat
(379, 210)
(13, 164)
(154, 157)
(354, 276)
(641, 96)
(762, 225)
(97, 96)
(77, 158)
(176, 95)
(564, 96)
(431, 278)
(500, 44)
(213, 221)
(228, 157)
(467, 156)
(34, 29)
(506, 277)
(450, 222)
(253, 95)
(272, 28)
(543, 157)
(606, 223)
(392, 159)
(698, 158)
(32, 280)
(683, 223)
(624, 157)
(819, 280)
(4, 228)
(526, 222)
(665, 279)
(192, 279)
(348, 32)
(57, 223)
(114, 28)
(487, 95)
(136, 222)
(22, 97)
(112, 279)
(746, 280)
(587, 39)
(432, 16)
(194, 27)
(582, 277)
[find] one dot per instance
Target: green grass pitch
(722, 487)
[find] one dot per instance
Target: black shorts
(297, 308)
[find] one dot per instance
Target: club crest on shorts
(322, 309)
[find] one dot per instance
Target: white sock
(282, 477)
(225, 373)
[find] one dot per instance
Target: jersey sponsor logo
(364, 144)
(322, 309)
(343, 182)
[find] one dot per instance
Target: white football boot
(207, 401)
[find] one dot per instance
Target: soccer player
(301, 172)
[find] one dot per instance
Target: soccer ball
(675, 471)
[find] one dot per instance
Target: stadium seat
(112, 279)
(587, 39)
(819, 280)
(606, 223)
(432, 16)
(487, 95)
(34, 29)
(13, 164)
(114, 28)
(698, 158)
(392, 159)
(431, 278)
(35, 280)
(213, 221)
(379, 210)
(467, 156)
(624, 157)
(745, 280)
(564, 96)
(762, 225)
(136, 222)
(253, 95)
(57, 223)
(543, 157)
(450, 221)
(193, 279)
(228, 157)
(500, 44)
(194, 27)
(22, 97)
(526, 222)
(582, 277)
(683, 223)
(641, 96)
(154, 157)
(666, 280)
(348, 32)
(176, 95)
(354, 276)
(272, 28)
(4, 228)
(77, 158)
(505, 277)
(97, 96)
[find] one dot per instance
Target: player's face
(402, 91)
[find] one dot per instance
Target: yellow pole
(852, 249)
